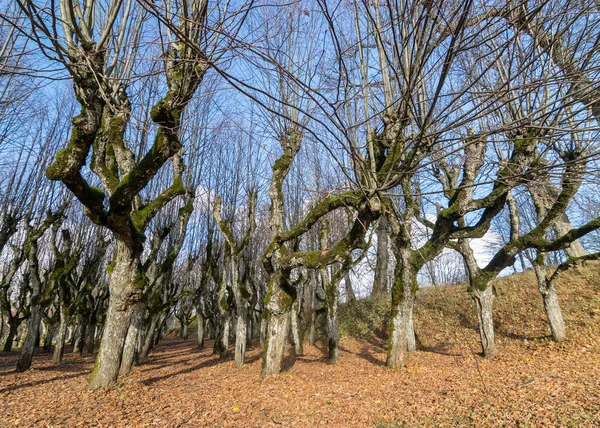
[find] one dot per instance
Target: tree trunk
(160, 330)
(149, 339)
(126, 282)
(185, 332)
(59, 348)
(332, 295)
(296, 330)
(411, 341)
(403, 291)
(13, 328)
(350, 296)
(200, 318)
(262, 335)
(484, 299)
(240, 338)
(380, 283)
(278, 307)
(277, 331)
(249, 330)
(33, 325)
(108, 360)
(70, 334)
(218, 339)
(80, 342)
(131, 347)
(332, 335)
(314, 318)
(224, 348)
(50, 331)
(91, 340)
(21, 335)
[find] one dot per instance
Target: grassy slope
(445, 316)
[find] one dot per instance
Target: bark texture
(484, 300)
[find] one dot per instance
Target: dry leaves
(533, 382)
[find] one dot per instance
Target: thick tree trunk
(132, 345)
(380, 283)
(108, 361)
(403, 291)
(296, 330)
(554, 314)
(241, 339)
(277, 331)
(125, 290)
(411, 340)
(278, 307)
(59, 348)
(484, 300)
(33, 325)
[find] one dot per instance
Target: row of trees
(234, 162)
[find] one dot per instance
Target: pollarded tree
(40, 290)
(241, 294)
(99, 44)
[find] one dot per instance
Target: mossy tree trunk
(97, 142)
(279, 305)
(279, 259)
(403, 292)
(126, 284)
(33, 325)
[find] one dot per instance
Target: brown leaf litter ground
(533, 382)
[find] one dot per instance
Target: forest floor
(533, 382)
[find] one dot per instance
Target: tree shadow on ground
(366, 354)
(39, 382)
(212, 360)
(441, 349)
(208, 363)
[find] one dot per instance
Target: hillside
(533, 382)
